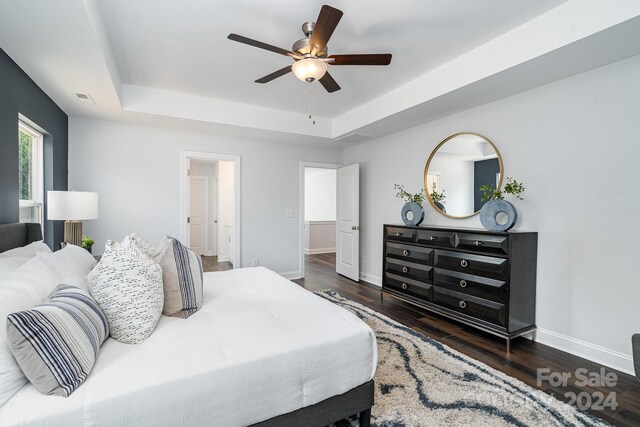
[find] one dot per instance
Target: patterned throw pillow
(56, 342)
(182, 276)
(127, 286)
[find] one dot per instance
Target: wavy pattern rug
(422, 382)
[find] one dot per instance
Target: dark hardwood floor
(523, 362)
(210, 263)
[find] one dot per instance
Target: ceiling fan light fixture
(309, 69)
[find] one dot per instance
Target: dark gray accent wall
(484, 173)
(20, 95)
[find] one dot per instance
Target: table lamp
(73, 207)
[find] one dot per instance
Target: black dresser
(481, 278)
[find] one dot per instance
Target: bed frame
(358, 400)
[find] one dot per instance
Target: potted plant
(412, 212)
(438, 198)
(496, 205)
(87, 242)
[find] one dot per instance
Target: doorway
(318, 211)
(210, 200)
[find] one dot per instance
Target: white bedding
(260, 346)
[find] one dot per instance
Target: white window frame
(37, 170)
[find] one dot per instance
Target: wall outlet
(256, 262)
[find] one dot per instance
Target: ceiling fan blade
(361, 59)
(261, 45)
(274, 75)
(329, 84)
(325, 25)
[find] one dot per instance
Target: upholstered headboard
(17, 235)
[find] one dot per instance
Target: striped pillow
(181, 276)
(56, 342)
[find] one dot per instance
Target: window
(30, 173)
(433, 183)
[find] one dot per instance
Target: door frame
(184, 195)
(304, 164)
(205, 179)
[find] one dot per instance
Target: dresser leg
(508, 345)
(381, 296)
(533, 335)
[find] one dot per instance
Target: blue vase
(416, 209)
(489, 213)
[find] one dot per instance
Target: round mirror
(456, 170)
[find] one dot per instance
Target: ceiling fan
(311, 54)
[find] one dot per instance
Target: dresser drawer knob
(405, 269)
(398, 234)
(477, 243)
(464, 263)
(463, 304)
(433, 238)
(463, 283)
(406, 253)
(404, 286)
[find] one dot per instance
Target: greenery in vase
(408, 197)
(87, 242)
(437, 197)
(511, 187)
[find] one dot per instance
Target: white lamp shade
(309, 69)
(72, 205)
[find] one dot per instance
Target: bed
(261, 351)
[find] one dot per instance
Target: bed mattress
(260, 346)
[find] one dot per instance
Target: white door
(214, 212)
(198, 214)
(348, 222)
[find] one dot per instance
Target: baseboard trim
(291, 275)
(371, 278)
(308, 251)
(225, 259)
(604, 356)
(209, 253)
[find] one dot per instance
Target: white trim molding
(371, 278)
(185, 156)
(291, 275)
(304, 164)
(593, 352)
(319, 251)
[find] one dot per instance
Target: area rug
(421, 382)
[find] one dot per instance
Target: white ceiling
(182, 46)
(169, 63)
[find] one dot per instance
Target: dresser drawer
(410, 253)
(421, 272)
(408, 286)
(443, 239)
(489, 243)
(477, 307)
(490, 289)
(400, 234)
(480, 265)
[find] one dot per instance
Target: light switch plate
(289, 213)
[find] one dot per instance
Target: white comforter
(260, 346)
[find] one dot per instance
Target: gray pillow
(182, 277)
(56, 342)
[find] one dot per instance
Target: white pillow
(127, 286)
(9, 264)
(23, 288)
(144, 246)
(28, 251)
(71, 265)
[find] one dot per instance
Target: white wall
(320, 237)
(209, 169)
(319, 194)
(226, 211)
(135, 169)
(575, 145)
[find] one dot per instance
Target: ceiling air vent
(85, 97)
(354, 138)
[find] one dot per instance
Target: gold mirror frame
(433, 153)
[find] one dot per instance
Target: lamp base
(73, 232)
